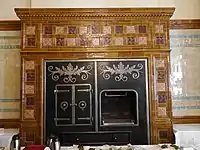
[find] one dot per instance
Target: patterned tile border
(9, 100)
(186, 98)
(184, 40)
(185, 107)
(9, 110)
(10, 41)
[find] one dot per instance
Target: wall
(184, 45)
(7, 6)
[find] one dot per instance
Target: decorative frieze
(29, 90)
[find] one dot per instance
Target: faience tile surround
(185, 45)
(185, 72)
(10, 74)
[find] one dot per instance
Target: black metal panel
(71, 92)
(125, 75)
(71, 76)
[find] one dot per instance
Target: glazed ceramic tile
(29, 89)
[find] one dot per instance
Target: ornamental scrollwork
(69, 72)
(121, 71)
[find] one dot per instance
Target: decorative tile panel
(161, 75)
(160, 63)
(30, 42)
(60, 42)
(29, 114)
(130, 29)
(83, 41)
(162, 111)
(95, 42)
(83, 30)
(107, 29)
(96, 29)
(119, 41)
(159, 28)
(47, 29)
(119, 29)
(72, 30)
(47, 42)
(142, 29)
(30, 76)
(29, 89)
(30, 30)
(131, 41)
(105, 41)
(142, 40)
(162, 97)
(159, 40)
(71, 41)
(30, 101)
(29, 65)
(59, 30)
(160, 86)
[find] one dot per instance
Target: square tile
(83, 30)
(159, 63)
(159, 40)
(30, 30)
(142, 40)
(47, 42)
(30, 76)
(47, 29)
(159, 28)
(83, 42)
(71, 41)
(29, 114)
(29, 89)
(107, 30)
(119, 29)
(130, 29)
(142, 29)
(162, 97)
(60, 41)
(60, 30)
(162, 111)
(131, 41)
(160, 87)
(105, 41)
(30, 42)
(72, 30)
(161, 74)
(96, 29)
(30, 101)
(29, 65)
(119, 41)
(95, 42)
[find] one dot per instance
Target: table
(6, 137)
(187, 135)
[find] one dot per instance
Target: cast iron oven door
(73, 104)
(124, 110)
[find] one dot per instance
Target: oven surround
(40, 44)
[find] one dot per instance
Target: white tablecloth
(6, 137)
(187, 134)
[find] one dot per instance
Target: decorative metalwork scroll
(69, 72)
(121, 71)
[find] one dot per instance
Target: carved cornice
(92, 13)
